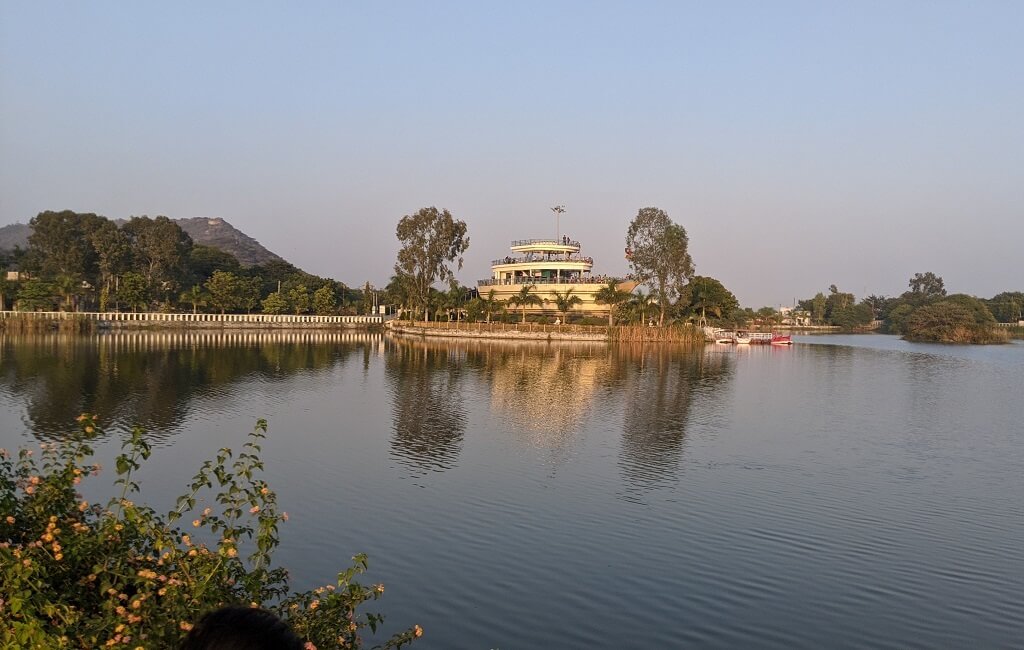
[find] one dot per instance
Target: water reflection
(428, 410)
(153, 378)
(661, 385)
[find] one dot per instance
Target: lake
(849, 491)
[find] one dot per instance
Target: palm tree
(642, 302)
(564, 302)
(525, 298)
(490, 303)
(69, 286)
(611, 295)
(196, 296)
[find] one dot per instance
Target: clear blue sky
(800, 143)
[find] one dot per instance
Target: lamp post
(558, 210)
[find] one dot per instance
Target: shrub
(75, 575)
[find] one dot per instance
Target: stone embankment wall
(515, 331)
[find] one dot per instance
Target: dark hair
(241, 628)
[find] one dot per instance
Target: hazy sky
(799, 143)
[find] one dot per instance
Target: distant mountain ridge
(208, 231)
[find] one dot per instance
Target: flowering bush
(76, 575)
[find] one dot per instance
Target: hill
(213, 231)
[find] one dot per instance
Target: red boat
(782, 339)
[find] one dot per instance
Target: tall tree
(160, 249)
(298, 298)
(707, 294)
(249, 290)
(223, 289)
(324, 301)
(113, 256)
(275, 303)
(195, 297)
(658, 253)
(611, 295)
(431, 241)
(57, 244)
(927, 285)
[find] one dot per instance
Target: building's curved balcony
(565, 241)
(597, 279)
(534, 259)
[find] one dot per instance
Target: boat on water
(550, 265)
(718, 335)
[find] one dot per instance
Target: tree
(204, 260)
(640, 304)
(1007, 307)
(611, 295)
(133, 290)
(324, 301)
(658, 254)
(366, 305)
(524, 298)
(195, 297)
(113, 256)
(818, 304)
(431, 241)
(57, 244)
(564, 302)
(275, 303)
(34, 295)
(876, 304)
(927, 285)
(710, 295)
(223, 289)
(490, 304)
(160, 249)
(69, 286)
(954, 320)
(298, 298)
(249, 290)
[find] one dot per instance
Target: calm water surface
(847, 492)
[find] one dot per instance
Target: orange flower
(417, 631)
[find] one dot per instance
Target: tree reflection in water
(153, 378)
(661, 385)
(429, 415)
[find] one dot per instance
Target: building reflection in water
(154, 378)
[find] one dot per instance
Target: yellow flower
(10, 519)
(58, 556)
(30, 490)
(195, 522)
(185, 626)
(417, 631)
(232, 552)
(314, 604)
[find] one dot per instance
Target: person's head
(241, 628)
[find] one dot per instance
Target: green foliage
(706, 295)
(954, 320)
(195, 297)
(659, 255)
(298, 298)
(223, 288)
(133, 291)
(564, 302)
(927, 286)
(275, 303)
(325, 302)
(525, 298)
(431, 240)
(203, 261)
(1007, 307)
(159, 249)
(611, 295)
(35, 295)
(75, 575)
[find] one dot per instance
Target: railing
(620, 333)
(537, 328)
(532, 258)
(154, 317)
(554, 242)
(599, 279)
